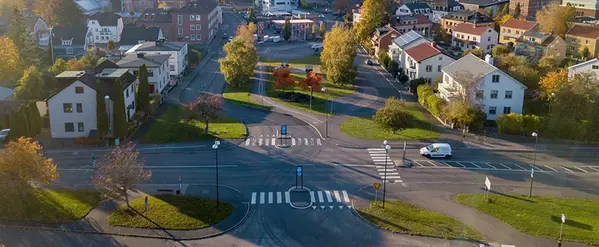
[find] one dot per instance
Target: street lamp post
(551, 102)
(534, 161)
(310, 87)
(107, 100)
(326, 105)
(215, 147)
(387, 148)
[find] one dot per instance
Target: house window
(494, 94)
(78, 90)
(69, 50)
(179, 20)
(507, 110)
(489, 39)
(438, 68)
(192, 36)
(79, 107)
(429, 68)
(69, 127)
(150, 73)
(172, 67)
(180, 31)
(495, 78)
(192, 27)
(67, 107)
(198, 27)
(80, 127)
(127, 93)
(508, 94)
(492, 110)
(586, 42)
(192, 17)
(197, 17)
(595, 66)
(198, 37)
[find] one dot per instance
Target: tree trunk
(126, 197)
(206, 128)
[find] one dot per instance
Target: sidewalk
(96, 221)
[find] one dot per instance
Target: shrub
(509, 123)
(393, 116)
(403, 78)
(436, 105)
(414, 85)
(423, 92)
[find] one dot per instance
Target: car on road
(326, 11)
(436, 150)
(316, 46)
(4, 134)
(369, 62)
(230, 38)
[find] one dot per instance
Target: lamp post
(551, 102)
(326, 105)
(534, 159)
(107, 101)
(387, 148)
(310, 87)
(215, 147)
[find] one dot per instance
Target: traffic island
(402, 217)
(299, 197)
(541, 216)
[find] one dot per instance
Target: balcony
(464, 41)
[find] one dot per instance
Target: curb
(348, 146)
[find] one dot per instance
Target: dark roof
(150, 60)
(132, 34)
(106, 19)
(484, 3)
(413, 6)
(89, 78)
(442, 3)
(8, 106)
(469, 16)
(165, 15)
(156, 15)
(583, 31)
(166, 46)
(64, 33)
(199, 7)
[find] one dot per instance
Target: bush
(423, 92)
(509, 123)
(403, 78)
(436, 105)
(414, 85)
(393, 116)
(384, 60)
(294, 97)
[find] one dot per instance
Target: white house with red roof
(470, 36)
(426, 60)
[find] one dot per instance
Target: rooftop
(5, 92)
(150, 60)
(519, 24)
(470, 28)
(592, 61)
(471, 65)
(407, 38)
(468, 16)
(106, 19)
(294, 21)
(70, 74)
(419, 18)
(423, 51)
(111, 73)
(158, 46)
(583, 31)
(132, 34)
(77, 34)
(484, 3)
(413, 6)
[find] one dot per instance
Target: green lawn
(403, 217)
(318, 97)
(171, 212)
(242, 96)
(172, 127)
(48, 206)
(540, 216)
(366, 128)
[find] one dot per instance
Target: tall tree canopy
(120, 119)
(63, 13)
(287, 29)
(20, 35)
(239, 64)
(11, 67)
(22, 166)
(373, 16)
(338, 54)
(143, 92)
(101, 113)
(31, 86)
(555, 18)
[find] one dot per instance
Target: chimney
(489, 59)
(140, 55)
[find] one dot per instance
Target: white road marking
(292, 141)
(592, 167)
(299, 141)
(345, 196)
(287, 197)
(388, 169)
(460, 164)
(269, 197)
(318, 142)
(266, 141)
(393, 177)
(320, 197)
(337, 196)
(247, 141)
(312, 199)
(432, 163)
(563, 167)
(391, 173)
(279, 198)
(475, 164)
(312, 141)
(306, 142)
(521, 167)
(443, 162)
(260, 142)
(261, 197)
(254, 142)
(353, 165)
(551, 168)
(505, 166)
(329, 198)
(273, 141)
(416, 162)
(254, 198)
(487, 163)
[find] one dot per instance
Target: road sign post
(403, 157)
(561, 229)
(376, 191)
(488, 185)
(299, 173)
(532, 179)
(284, 133)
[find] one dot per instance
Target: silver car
(4, 134)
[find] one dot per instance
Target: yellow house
(513, 29)
(452, 19)
(580, 37)
(535, 44)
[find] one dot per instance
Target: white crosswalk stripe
(293, 141)
(384, 165)
(316, 197)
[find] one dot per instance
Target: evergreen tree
(517, 11)
(143, 94)
(491, 13)
(287, 29)
(101, 117)
(120, 122)
(314, 31)
(18, 124)
(19, 34)
(34, 118)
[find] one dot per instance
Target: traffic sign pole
(376, 192)
(532, 179)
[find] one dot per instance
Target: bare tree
(205, 108)
(120, 171)
(469, 86)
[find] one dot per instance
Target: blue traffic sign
(283, 129)
(532, 171)
(299, 170)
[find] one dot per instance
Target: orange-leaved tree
(553, 81)
(312, 80)
(283, 78)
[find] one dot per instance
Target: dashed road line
(521, 167)
(475, 164)
(505, 166)
(487, 163)
(460, 164)
(550, 168)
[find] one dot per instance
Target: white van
(436, 150)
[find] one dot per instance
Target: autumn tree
(59, 66)
(20, 35)
(119, 171)
(505, 10)
(162, 5)
(547, 64)
(110, 45)
(118, 110)
(312, 80)
(500, 50)
(287, 29)
(205, 108)
(239, 63)
(31, 86)
(23, 167)
(511, 60)
(101, 114)
(373, 16)
(554, 81)
(143, 91)
(338, 55)
(477, 52)
(555, 19)
(314, 31)
(283, 78)
(393, 115)
(11, 67)
(323, 28)
(247, 31)
(525, 74)
(62, 13)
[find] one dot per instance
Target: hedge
(433, 103)
(555, 128)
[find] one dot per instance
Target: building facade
(528, 8)
(157, 65)
(584, 7)
(581, 38)
(535, 44)
(69, 43)
(137, 6)
(449, 21)
(441, 8)
(415, 8)
(591, 66)
(177, 51)
(419, 23)
(469, 36)
(487, 5)
(105, 27)
(270, 6)
(513, 29)
(399, 45)
(426, 61)
(382, 38)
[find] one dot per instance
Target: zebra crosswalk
(384, 165)
(329, 197)
(278, 141)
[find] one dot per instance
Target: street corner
(224, 192)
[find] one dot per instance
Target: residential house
(133, 35)
(449, 21)
(580, 37)
(442, 7)
(585, 20)
(69, 42)
(584, 7)
(426, 61)
(357, 15)
(72, 110)
(528, 8)
(415, 8)
(383, 37)
(513, 29)
(158, 69)
(591, 66)
(40, 32)
(486, 86)
(178, 55)
(137, 6)
(470, 36)
(196, 22)
(535, 44)
(104, 27)
(129, 17)
(495, 6)
(399, 45)
(279, 5)
(6, 93)
(417, 22)
(93, 7)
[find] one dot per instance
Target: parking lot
(498, 166)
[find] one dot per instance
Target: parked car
(4, 135)
(316, 46)
(326, 11)
(230, 38)
(436, 150)
(369, 62)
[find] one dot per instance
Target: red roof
(422, 51)
(469, 28)
(519, 24)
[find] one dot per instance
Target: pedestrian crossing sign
(283, 129)
(377, 185)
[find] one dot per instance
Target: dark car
(369, 62)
